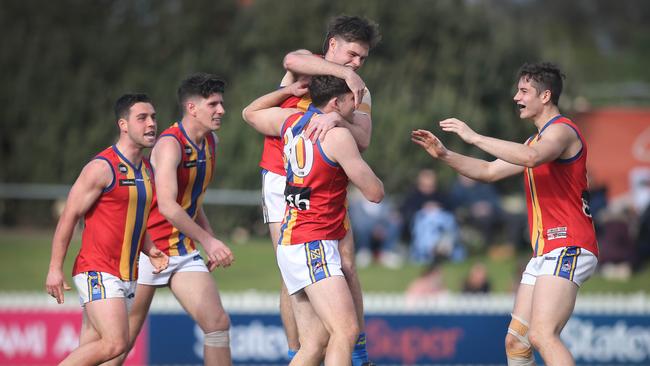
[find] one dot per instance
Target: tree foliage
(65, 62)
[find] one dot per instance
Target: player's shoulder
(98, 171)
(339, 136)
(562, 127)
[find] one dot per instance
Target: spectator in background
(616, 244)
(425, 190)
(374, 222)
(640, 183)
(477, 205)
(435, 232)
(477, 280)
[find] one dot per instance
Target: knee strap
(520, 357)
(219, 338)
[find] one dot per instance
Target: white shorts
(304, 264)
(190, 262)
(93, 286)
(273, 203)
(573, 263)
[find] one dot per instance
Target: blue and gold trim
(96, 290)
(567, 262)
(316, 261)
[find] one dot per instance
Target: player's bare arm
(263, 115)
(557, 139)
(341, 148)
(165, 158)
(94, 177)
(478, 169)
(303, 62)
(158, 259)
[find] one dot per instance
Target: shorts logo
(318, 267)
(314, 254)
(566, 267)
(556, 233)
(97, 289)
(197, 257)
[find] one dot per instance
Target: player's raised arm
(478, 169)
(94, 177)
(264, 115)
(303, 62)
(556, 139)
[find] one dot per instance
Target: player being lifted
(346, 47)
(315, 217)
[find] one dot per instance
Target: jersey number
(299, 153)
(297, 197)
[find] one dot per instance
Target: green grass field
(24, 256)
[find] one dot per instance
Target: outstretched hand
(429, 142)
(460, 128)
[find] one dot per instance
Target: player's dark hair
(352, 29)
(124, 103)
(199, 84)
(322, 88)
(545, 76)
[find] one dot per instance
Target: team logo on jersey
(556, 233)
(127, 182)
(188, 150)
(122, 168)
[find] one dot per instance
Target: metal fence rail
(36, 191)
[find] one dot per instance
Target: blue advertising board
(409, 339)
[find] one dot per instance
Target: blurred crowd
(429, 225)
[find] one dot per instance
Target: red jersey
(316, 187)
(193, 175)
(273, 146)
(115, 224)
(558, 200)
